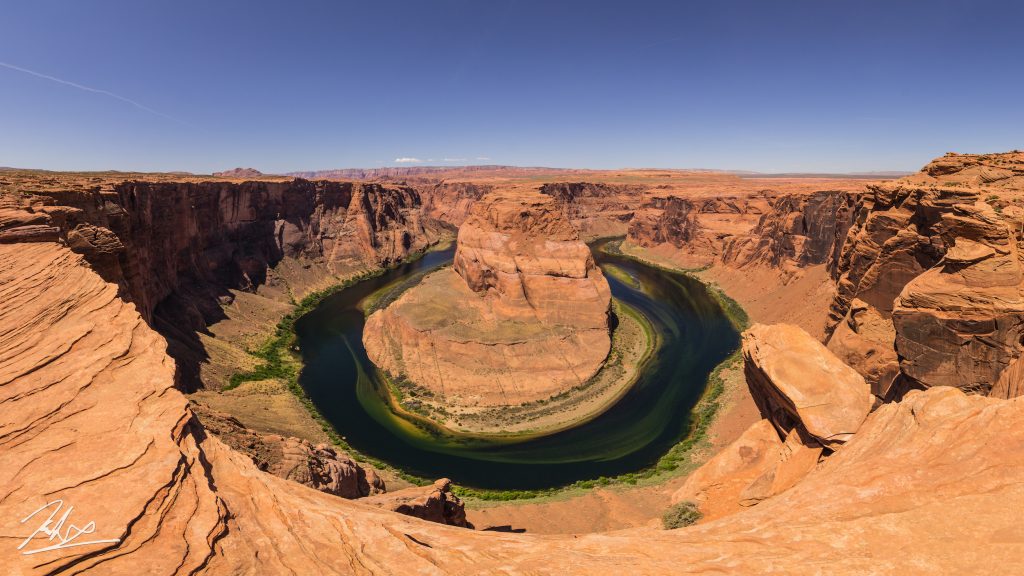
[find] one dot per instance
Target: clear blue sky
(769, 85)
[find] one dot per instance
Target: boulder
(434, 503)
(798, 383)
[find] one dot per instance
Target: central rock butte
(522, 315)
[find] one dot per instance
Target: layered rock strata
(153, 237)
(178, 249)
(522, 315)
(597, 209)
(91, 418)
(767, 228)
(320, 466)
(929, 287)
(451, 202)
(797, 230)
(696, 227)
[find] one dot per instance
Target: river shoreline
(533, 420)
(670, 465)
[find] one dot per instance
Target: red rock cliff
(930, 279)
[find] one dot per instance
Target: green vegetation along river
(695, 334)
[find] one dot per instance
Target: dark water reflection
(631, 435)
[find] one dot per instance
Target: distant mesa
(239, 173)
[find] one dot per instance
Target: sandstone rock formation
(812, 405)
(929, 484)
(239, 173)
(767, 228)
(697, 227)
(435, 503)
(597, 209)
(930, 279)
(961, 323)
(799, 385)
(521, 316)
(718, 484)
(451, 202)
(177, 247)
(320, 467)
(796, 231)
(91, 417)
(864, 341)
(152, 237)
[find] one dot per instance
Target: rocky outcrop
(152, 237)
(320, 467)
(717, 486)
(864, 341)
(450, 202)
(698, 227)
(177, 248)
(434, 503)
(91, 418)
(961, 323)
(674, 222)
(239, 173)
(797, 230)
(799, 385)
(522, 252)
(597, 209)
(930, 279)
(522, 315)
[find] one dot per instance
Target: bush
(680, 515)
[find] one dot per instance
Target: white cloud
(482, 158)
(455, 159)
(408, 160)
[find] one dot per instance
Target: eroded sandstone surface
(799, 384)
(93, 419)
(929, 282)
(928, 483)
(522, 315)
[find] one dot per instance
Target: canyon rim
(613, 288)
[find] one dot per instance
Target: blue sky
(769, 85)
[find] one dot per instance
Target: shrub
(680, 515)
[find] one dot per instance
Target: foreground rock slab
(799, 384)
(90, 418)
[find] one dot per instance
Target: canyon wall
(181, 250)
(796, 230)
(766, 228)
(152, 237)
(929, 288)
(451, 202)
(695, 226)
(930, 484)
(597, 209)
(177, 249)
(926, 269)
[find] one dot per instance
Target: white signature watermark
(65, 537)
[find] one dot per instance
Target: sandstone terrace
(898, 478)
